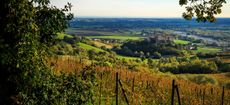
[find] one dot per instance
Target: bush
(198, 67)
(69, 40)
(225, 68)
(47, 88)
(193, 67)
(201, 79)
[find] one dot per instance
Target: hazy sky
(129, 8)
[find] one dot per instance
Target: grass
(207, 50)
(115, 37)
(181, 42)
(62, 35)
(127, 58)
(89, 47)
(100, 44)
(92, 32)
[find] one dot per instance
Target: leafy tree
(27, 29)
(204, 10)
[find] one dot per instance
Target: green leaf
(183, 2)
(219, 11)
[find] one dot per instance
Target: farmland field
(181, 42)
(207, 50)
(146, 67)
(150, 88)
(100, 44)
(89, 47)
(115, 37)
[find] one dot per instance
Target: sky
(129, 8)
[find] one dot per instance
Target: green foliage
(157, 55)
(147, 48)
(181, 42)
(207, 50)
(204, 10)
(194, 66)
(115, 37)
(201, 79)
(47, 88)
(28, 29)
(88, 47)
(51, 21)
(225, 68)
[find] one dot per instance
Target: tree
(204, 10)
(27, 29)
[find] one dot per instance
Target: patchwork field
(89, 47)
(100, 44)
(181, 42)
(207, 50)
(115, 37)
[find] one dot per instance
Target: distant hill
(165, 23)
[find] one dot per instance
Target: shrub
(201, 79)
(193, 67)
(225, 68)
(46, 87)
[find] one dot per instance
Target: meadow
(100, 44)
(96, 49)
(89, 47)
(207, 50)
(181, 42)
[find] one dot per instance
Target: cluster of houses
(164, 38)
(158, 37)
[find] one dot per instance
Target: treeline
(194, 65)
(150, 49)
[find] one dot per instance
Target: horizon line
(133, 17)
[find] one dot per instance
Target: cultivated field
(144, 88)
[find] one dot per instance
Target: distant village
(159, 37)
(165, 38)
